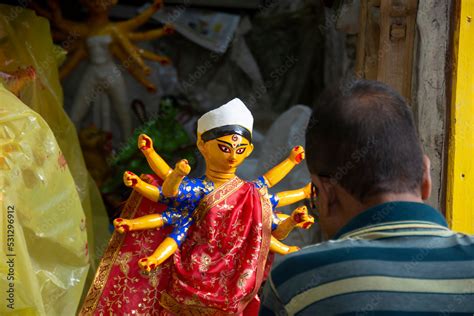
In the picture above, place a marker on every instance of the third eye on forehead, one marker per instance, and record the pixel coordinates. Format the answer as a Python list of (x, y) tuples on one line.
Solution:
[(232, 145)]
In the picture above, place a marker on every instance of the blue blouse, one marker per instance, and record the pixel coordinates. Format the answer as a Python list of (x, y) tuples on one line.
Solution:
[(191, 191)]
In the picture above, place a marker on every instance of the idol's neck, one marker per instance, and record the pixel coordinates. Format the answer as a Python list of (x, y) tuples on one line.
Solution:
[(220, 177)]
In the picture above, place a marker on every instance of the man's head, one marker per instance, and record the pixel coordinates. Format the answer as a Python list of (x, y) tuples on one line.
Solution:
[(363, 149)]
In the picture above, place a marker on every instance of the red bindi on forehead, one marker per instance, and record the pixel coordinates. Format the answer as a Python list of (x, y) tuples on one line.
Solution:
[(236, 140)]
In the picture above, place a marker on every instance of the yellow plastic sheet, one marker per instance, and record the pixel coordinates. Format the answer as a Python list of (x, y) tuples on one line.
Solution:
[(44, 257), (51, 275)]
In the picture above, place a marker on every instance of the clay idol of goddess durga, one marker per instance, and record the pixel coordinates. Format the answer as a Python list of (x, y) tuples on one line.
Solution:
[(219, 229)]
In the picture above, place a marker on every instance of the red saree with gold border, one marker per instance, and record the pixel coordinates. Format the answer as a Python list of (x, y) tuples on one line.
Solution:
[(217, 271)]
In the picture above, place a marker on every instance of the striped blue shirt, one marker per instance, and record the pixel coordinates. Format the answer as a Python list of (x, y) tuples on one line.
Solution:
[(397, 258)]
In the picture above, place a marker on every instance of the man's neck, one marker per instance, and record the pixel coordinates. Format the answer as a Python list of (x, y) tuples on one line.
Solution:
[(351, 207), (391, 197)]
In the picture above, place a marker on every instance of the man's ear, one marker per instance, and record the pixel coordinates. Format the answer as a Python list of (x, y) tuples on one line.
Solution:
[(325, 197), (426, 183), (249, 150), (330, 191)]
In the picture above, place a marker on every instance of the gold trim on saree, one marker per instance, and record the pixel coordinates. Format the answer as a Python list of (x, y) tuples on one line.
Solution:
[(266, 238), (110, 256), (216, 196), (171, 305)]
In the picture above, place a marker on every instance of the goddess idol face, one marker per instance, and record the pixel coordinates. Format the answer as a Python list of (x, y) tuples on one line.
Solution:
[(225, 153)]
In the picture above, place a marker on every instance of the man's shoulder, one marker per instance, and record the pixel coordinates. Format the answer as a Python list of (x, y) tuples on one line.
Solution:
[(336, 249), (353, 247), (340, 256), (328, 275), (316, 256)]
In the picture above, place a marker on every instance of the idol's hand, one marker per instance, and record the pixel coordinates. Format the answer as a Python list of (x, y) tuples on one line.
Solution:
[(122, 225), (167, 248), (182, 168), (293, 249), (307, 191), (297, 155), (301, 217), (147, 264), (130, 179), (280, 248), (145, 143), (174, 179)]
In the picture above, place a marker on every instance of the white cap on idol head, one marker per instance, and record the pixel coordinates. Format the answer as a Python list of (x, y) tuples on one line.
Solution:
[(231, 118)]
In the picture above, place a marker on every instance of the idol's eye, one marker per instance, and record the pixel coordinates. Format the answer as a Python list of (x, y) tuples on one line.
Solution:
[(240, 151), (224, 148)]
